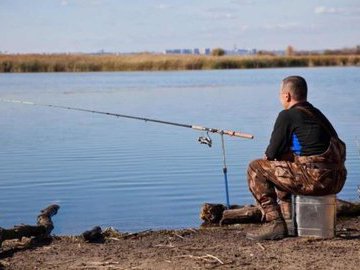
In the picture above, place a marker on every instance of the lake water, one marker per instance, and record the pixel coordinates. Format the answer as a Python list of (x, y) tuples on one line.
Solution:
[(133, 175)]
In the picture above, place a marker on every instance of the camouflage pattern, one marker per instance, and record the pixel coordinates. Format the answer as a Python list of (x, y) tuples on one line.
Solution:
[(318, 175)]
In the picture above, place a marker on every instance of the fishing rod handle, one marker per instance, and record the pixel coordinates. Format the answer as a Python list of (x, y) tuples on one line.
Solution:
[(199, 128), (226, 132), (238, 134)]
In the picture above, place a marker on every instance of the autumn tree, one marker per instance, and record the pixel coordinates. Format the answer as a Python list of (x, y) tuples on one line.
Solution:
[(218, 52), (289, 51)]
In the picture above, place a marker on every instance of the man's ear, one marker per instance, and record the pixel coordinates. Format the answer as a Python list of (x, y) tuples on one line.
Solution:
[(287, 96)]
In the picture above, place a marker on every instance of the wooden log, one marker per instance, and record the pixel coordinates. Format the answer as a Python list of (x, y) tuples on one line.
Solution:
[(246, 214), (95, 235), (347, 209), (218, 214), (211, 213), (42, 229)]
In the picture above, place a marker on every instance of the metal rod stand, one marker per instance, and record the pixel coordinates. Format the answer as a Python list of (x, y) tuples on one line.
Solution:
[(225, 172)]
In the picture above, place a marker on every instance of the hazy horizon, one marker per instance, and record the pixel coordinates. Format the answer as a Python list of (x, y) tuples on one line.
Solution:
[(80, 26)]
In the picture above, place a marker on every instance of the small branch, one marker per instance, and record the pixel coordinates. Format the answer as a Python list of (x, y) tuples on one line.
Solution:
[(136, 234), (216, 258), (204, 258), (178, 235), (261, 246), (165, 246)]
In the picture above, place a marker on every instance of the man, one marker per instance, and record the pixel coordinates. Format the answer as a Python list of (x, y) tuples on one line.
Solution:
[(304, 157)]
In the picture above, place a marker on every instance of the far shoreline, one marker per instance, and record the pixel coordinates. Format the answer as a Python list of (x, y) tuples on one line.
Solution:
[(39, 63)]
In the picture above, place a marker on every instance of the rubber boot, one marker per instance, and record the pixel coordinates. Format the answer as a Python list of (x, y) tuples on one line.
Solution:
[(286, 211), (274, 229)]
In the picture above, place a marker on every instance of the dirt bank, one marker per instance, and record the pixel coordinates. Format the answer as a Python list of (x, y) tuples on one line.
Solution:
[(205, 248)]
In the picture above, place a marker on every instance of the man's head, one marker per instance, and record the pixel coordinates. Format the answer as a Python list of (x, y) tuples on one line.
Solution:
[(293, 90)]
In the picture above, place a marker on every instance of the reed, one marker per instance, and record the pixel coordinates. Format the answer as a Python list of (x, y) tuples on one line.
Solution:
[(158, 62)]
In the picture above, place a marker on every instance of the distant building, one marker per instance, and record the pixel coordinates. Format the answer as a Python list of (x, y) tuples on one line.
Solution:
[(101, 52), (236, 51), (182, 51), (279, 52), (186, 51), (172, 51), (206, 51)]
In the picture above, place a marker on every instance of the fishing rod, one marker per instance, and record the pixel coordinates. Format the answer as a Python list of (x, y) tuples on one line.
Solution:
[(195, 127), (202, 139)]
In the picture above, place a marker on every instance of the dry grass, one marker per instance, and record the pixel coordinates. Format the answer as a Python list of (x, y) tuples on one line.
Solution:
[(152, 62)]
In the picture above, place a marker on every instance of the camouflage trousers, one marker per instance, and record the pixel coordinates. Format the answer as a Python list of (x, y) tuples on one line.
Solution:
[(273, 182)]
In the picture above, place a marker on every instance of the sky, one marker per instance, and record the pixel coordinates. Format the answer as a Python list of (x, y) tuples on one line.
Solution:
[(55, 26)]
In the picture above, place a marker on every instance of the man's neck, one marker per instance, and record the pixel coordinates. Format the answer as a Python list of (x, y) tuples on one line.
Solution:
[(295, 102)]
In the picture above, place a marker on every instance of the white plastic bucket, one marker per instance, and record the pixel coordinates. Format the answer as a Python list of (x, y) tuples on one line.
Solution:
[(315, 216)]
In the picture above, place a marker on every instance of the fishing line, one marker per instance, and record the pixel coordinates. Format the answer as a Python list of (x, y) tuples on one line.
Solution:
[(202, 139)]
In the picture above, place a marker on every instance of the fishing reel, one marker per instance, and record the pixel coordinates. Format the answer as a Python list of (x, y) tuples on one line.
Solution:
[(205, 140)]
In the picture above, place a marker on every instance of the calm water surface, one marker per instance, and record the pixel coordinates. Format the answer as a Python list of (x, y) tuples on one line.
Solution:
[(134, 175)]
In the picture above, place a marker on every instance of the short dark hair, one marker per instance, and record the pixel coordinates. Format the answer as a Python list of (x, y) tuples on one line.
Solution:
[(297, 86)]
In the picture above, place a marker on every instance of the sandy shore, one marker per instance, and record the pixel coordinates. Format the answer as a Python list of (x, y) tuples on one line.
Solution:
[(193, 248)]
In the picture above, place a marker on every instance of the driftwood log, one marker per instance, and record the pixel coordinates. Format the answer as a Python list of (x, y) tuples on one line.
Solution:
[(218, 214), (41, 230), (246, 214), (95, 235), (347, 209)]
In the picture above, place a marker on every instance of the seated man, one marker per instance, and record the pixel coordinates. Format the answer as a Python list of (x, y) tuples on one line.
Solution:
[(305, 157)]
